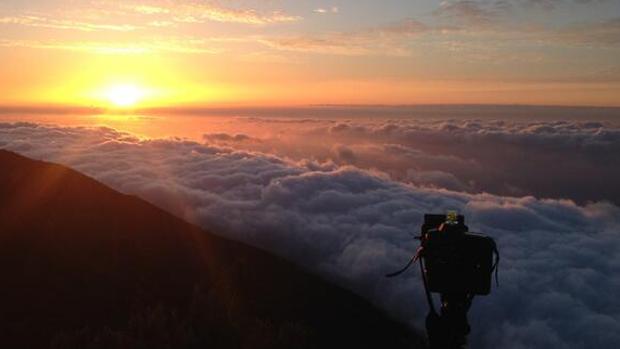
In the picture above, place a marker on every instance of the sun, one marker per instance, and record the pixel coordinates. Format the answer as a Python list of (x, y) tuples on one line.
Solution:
[(124, 96)]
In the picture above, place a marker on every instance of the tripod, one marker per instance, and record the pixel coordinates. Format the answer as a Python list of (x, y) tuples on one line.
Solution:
[(449, 329)]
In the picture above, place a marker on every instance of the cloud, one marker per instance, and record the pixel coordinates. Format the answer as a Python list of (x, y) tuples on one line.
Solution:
[(489, 9), (605, 33), (545, 4), (202, 12), (238, 16), (459, 23), (503, 157), (390, 39), (558, 276), (129, 16), (467, 154), (496, 19), (152, 18), (148, 9), (322, 10), (226, 138), (473, 13), (186, 45), (45, 22)]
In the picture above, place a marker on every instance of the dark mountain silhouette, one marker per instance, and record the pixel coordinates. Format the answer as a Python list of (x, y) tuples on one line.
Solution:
[(83, 266)]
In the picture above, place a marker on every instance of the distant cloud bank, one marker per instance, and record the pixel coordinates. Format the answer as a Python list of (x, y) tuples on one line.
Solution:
[(558, 275), (528, 157)]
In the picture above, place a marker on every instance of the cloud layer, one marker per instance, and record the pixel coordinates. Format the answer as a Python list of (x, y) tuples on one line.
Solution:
[(473, 155), (559, 283)]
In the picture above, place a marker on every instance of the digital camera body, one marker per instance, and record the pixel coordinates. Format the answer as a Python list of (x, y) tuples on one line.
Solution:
[(456, 261)]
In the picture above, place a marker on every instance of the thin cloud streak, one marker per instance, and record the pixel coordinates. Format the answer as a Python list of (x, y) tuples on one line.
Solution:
[(189, 46), (393, 39), (43, 22), (467, 12), (323, 10), (140, 17), (200, 13)]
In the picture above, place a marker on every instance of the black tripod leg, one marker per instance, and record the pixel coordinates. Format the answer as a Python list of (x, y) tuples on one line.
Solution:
[(454, 308), (436, 331)]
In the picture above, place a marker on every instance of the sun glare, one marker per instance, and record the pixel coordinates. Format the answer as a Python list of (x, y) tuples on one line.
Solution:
[(124, 96)]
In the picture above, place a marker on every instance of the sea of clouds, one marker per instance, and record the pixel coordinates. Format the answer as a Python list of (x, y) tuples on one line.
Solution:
[(545, 159), (343, 198)]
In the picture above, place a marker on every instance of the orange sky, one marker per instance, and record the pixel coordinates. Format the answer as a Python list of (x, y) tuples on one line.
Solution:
[(114, 54)]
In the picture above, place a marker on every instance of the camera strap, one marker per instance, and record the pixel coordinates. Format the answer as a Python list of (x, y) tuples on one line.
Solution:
[(429, 297), (418, 256), (495, 267), (413, 259)]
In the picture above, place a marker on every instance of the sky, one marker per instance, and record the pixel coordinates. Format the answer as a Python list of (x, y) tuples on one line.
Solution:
[(317, 131), (141, 54)]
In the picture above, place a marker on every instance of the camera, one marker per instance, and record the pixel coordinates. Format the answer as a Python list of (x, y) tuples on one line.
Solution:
[(457, 264), (455, 260)]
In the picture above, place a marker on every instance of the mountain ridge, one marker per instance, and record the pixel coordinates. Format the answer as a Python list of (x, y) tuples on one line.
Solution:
[(85, 266)]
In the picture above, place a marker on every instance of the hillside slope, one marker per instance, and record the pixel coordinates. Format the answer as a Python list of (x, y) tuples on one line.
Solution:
[(83, 266)]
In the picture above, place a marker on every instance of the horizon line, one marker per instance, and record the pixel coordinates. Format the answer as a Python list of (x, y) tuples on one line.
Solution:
[(67, 109)]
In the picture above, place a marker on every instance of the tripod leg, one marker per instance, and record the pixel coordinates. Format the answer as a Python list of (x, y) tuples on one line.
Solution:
[(454, 308), (436, 331)]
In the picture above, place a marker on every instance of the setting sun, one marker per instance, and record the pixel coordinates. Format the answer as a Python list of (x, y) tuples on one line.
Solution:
[(124, 96)]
